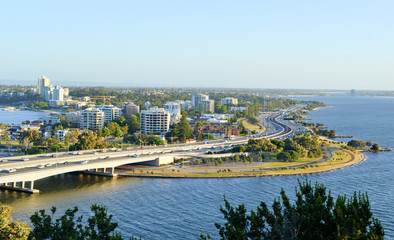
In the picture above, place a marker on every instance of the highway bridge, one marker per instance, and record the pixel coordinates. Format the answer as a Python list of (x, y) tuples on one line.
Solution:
[(19, 173)]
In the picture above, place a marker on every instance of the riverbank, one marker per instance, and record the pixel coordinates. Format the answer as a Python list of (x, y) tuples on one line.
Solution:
[(340, 159)]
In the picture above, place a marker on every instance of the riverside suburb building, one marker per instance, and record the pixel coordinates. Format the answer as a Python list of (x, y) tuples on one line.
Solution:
[(155, 120), (91, 118)]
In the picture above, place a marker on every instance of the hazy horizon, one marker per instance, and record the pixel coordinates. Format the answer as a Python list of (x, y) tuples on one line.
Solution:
[(204, 44)]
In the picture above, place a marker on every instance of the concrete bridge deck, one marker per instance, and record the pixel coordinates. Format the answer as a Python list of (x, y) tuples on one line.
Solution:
[(20, 175)]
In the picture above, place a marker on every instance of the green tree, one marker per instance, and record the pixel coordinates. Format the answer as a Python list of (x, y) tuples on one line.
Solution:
[(112, 127), (314, 215), (118, 132), (356, 143), (89, 140), (182, 129), (375, 147), (12, 230), (242, 129), (98, 226), (199, 124), (106, 132)]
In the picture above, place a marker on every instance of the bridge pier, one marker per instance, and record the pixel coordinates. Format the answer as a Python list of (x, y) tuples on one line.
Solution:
[(97, 171), (13, 187)]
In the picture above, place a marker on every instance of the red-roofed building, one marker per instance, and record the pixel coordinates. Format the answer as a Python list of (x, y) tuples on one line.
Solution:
[(190, 140)]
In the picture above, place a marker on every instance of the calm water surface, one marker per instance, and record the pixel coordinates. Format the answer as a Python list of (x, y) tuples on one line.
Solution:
[(16, 117), (184, 208)]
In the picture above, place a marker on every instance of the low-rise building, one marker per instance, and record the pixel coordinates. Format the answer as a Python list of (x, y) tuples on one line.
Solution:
[(147, 105), (51, 119), (61, 133), (72, 117), (218, 131), (215, 118), (239, 109)]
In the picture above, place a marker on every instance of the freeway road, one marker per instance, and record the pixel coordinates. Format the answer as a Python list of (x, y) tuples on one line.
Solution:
[(13, 169)]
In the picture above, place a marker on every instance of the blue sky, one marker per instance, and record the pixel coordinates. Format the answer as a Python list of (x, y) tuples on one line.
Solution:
[(257, 44)]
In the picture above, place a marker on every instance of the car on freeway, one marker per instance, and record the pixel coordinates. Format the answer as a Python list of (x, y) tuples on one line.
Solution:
[(24, 159), (66, 162), (118, 150), (107, 157), (40, 166), (84, 162), (48, 164), (4, 160), (11, 170)]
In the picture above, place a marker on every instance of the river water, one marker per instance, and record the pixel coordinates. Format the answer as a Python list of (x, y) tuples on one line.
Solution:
[(184, 208), (17, 116)]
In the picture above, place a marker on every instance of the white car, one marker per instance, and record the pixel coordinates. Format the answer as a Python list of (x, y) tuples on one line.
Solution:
[(24, 159), (40, 166), (84, 162), (11, 170), (48, 164)]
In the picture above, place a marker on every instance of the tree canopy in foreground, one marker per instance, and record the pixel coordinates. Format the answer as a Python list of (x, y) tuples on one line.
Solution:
[(314, 215)]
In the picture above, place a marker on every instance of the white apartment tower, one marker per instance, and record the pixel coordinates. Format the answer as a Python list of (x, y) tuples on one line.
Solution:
[(43, 82), (110, 113), (228, 101), (57, 93), (91, 118), (155, 120), (174, 108), (196, 100)]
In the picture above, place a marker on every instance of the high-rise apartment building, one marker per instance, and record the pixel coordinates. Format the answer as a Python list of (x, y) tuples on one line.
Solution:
[(174, 108), (43, 82), (51, 93), (110, 112), (57, 93), (155, 120), (229, 101), (196, 100), (207, 105), (132, 109), (91, 118)]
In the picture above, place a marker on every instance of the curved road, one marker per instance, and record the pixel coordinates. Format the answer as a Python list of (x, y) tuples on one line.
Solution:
[(35, 167)]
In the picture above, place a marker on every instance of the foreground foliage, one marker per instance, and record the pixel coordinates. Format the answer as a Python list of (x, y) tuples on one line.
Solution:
[(314, 215), (9, 229), (99, 226)]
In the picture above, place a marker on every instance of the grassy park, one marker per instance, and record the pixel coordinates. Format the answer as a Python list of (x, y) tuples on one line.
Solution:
[(270, 166)]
